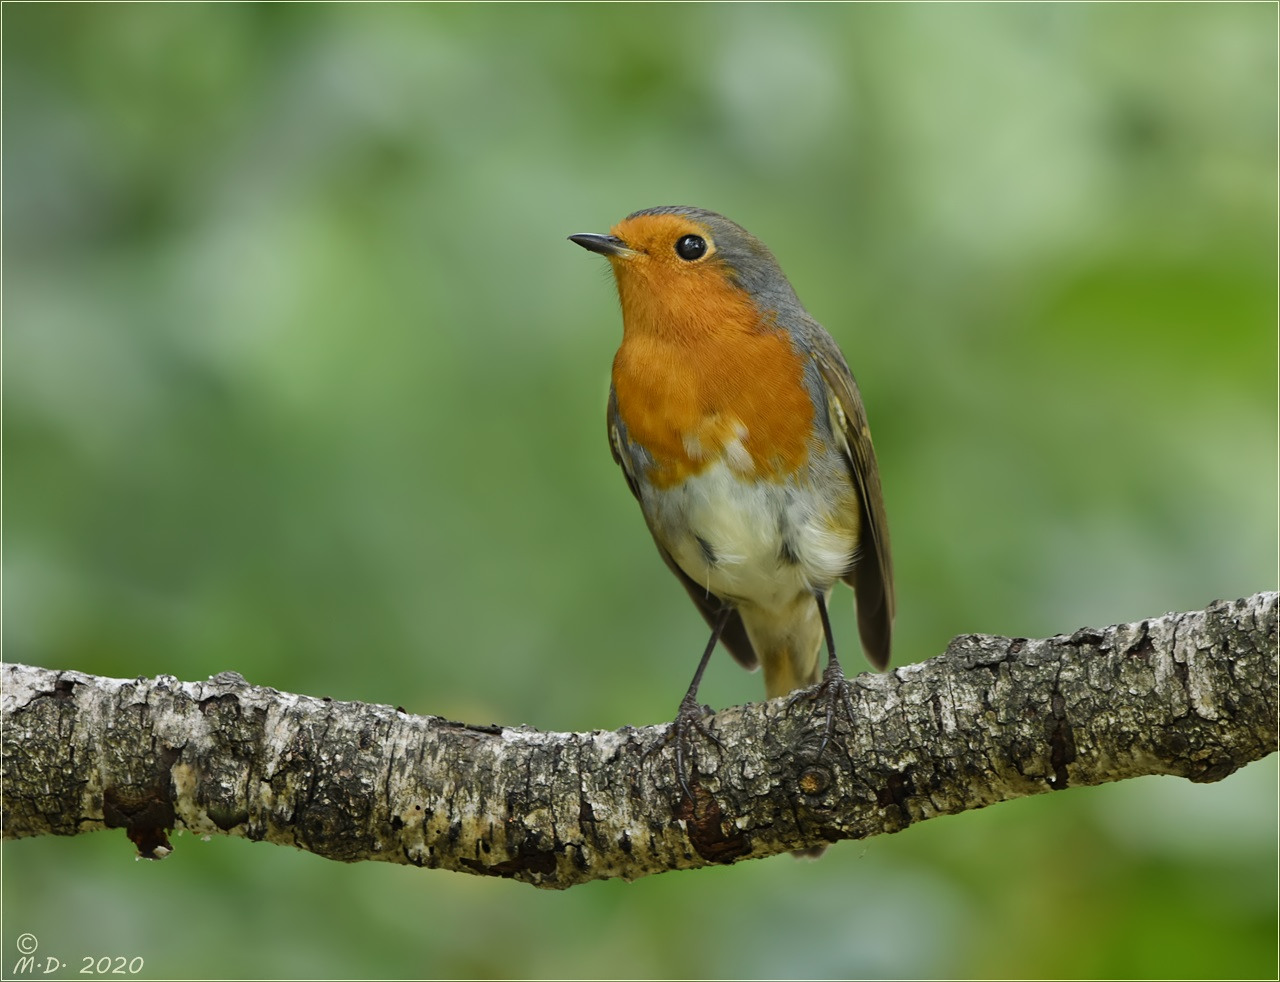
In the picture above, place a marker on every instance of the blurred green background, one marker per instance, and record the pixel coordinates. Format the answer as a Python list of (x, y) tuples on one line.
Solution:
[(303, 380)]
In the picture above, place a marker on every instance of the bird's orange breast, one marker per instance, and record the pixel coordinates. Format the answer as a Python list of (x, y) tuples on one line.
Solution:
[(701, 377)]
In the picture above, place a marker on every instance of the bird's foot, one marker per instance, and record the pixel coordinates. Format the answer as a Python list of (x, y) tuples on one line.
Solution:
[(689, 719), (835, 693)]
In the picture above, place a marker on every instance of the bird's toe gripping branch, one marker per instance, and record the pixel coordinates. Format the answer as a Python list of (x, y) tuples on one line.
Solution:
[(688, 721)]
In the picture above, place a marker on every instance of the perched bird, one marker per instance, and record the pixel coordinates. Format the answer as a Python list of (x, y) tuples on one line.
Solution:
[(741, 432)]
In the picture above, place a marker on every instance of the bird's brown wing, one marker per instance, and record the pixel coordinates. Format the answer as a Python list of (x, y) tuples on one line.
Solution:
[(734, 636), (872, 574)]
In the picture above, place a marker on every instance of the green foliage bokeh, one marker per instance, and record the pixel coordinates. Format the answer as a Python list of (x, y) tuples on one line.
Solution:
[(302, 380)]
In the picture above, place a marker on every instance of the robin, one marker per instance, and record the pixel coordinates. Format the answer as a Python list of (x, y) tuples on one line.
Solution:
[(741, 432)]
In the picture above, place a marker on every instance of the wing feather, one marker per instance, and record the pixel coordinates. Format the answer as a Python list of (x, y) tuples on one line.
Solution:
[(872, 574)]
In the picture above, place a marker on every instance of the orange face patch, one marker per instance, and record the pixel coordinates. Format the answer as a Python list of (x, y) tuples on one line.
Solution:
[(700, 376)]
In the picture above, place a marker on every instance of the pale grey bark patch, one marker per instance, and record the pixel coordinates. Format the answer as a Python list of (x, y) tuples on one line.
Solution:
[(990, 719)]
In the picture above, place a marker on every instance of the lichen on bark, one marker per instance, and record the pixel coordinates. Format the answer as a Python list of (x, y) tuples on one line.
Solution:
[(990, 719)]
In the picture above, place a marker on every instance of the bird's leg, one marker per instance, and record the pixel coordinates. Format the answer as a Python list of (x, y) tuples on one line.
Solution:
[(689, 715), (835, 686)]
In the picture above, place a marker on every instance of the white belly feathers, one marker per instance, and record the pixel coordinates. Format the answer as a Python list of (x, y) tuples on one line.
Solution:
[(754, 542)]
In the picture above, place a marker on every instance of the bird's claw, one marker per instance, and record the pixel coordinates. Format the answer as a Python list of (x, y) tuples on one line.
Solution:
[(835, 689), (689, 717)]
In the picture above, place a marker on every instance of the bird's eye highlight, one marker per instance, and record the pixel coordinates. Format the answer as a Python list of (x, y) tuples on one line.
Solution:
[(691, 247)]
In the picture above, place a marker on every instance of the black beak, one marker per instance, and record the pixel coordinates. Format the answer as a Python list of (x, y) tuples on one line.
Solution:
[(606, 245)]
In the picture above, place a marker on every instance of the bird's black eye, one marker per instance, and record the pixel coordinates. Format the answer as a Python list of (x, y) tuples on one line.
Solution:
[(691, 247)]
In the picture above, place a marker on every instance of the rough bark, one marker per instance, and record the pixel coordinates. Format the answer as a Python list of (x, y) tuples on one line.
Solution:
[(990, 719)]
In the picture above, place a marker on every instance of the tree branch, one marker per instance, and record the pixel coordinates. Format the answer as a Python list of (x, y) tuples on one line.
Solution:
[(988, 720)]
